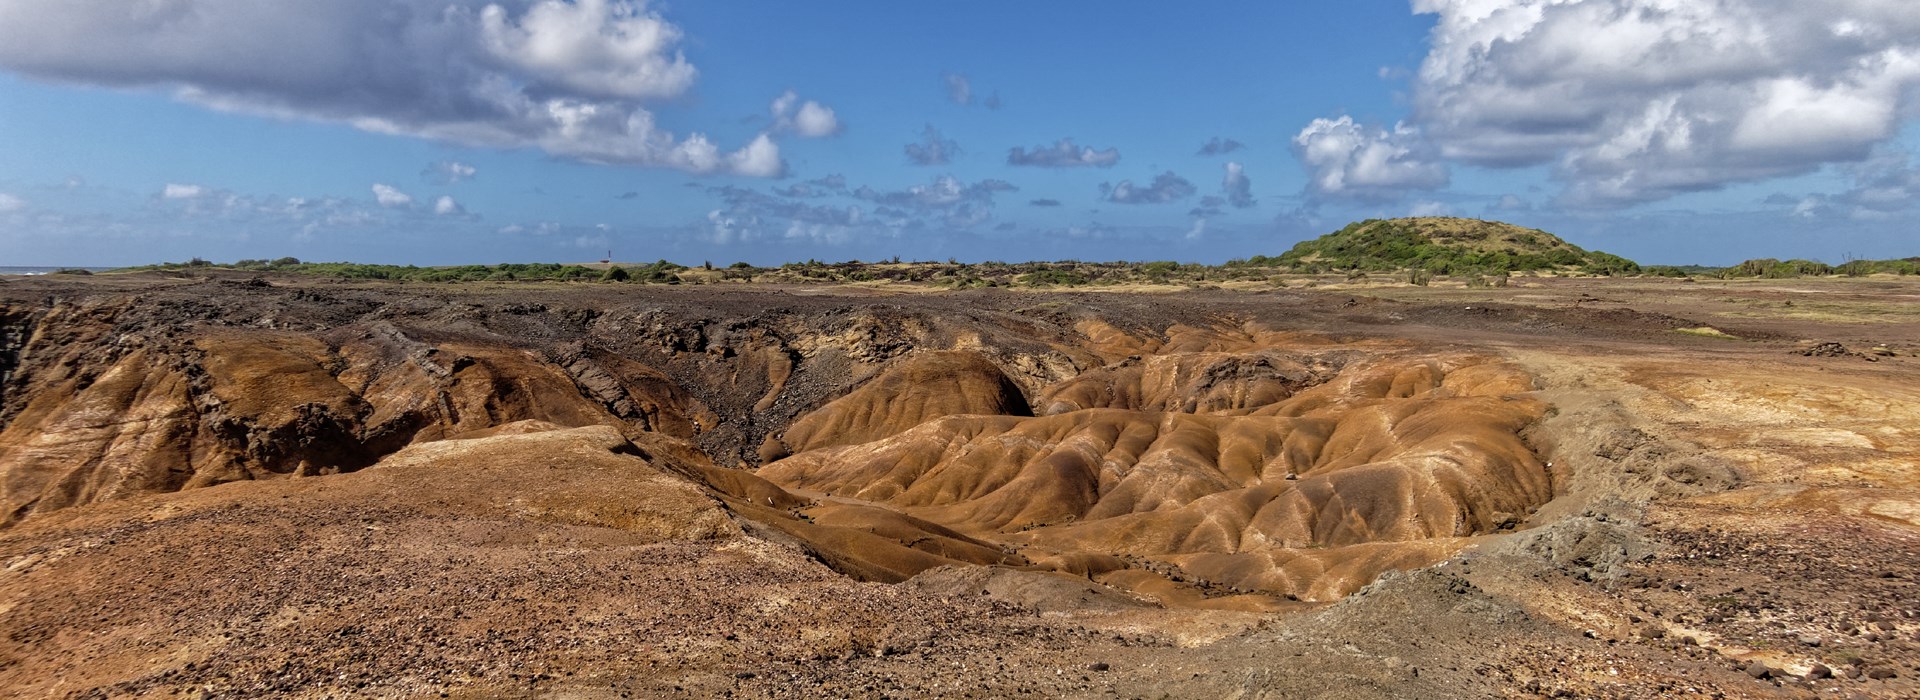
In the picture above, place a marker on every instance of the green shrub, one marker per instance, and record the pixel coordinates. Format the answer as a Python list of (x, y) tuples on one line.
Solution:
[(1054, 277)]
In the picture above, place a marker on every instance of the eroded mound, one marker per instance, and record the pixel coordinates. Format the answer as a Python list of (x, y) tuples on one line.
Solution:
[(921, 387), (1389, 464)]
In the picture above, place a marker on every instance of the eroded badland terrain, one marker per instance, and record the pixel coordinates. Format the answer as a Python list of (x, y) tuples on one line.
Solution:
[(236, 486)]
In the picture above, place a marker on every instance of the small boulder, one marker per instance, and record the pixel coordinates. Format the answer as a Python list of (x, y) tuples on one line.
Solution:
[(1819, 672), (1759, 669)]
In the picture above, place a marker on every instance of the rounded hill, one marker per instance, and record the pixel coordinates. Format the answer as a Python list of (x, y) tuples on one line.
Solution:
[(1446, 245)]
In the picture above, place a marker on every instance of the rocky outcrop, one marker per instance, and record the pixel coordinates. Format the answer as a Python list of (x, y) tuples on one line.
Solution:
[(229, 405)]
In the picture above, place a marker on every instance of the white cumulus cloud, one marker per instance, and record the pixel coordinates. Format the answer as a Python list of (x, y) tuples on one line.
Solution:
[(760, 158), (572, 78), (1352, 160), (1236, 186), (389, 196), (603, 48), (1638, 100), (446, 206), (809, 119)]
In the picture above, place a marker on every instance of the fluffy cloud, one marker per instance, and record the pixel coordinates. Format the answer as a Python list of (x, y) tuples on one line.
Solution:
[(959, 88), (388, 196), (1886, 184), (1237, 187), (1362, 162), (1063, 154), (932, 149), (1638, 100), (602, 48), (761, 158), (1219, 146), (1166, 187), (809, 119), (173, 191), (446, 206), (569, 78), (11, 203), (448, 172)]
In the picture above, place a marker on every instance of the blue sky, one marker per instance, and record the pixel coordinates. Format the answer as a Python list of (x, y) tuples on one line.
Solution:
[(461, 131)]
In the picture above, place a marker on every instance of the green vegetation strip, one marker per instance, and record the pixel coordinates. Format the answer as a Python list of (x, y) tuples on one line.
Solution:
[(1414, 251)]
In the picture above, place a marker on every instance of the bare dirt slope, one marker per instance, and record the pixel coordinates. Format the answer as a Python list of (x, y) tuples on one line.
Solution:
[(286, 486)]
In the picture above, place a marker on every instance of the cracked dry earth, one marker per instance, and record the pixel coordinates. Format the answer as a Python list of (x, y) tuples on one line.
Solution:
[(242, 487)]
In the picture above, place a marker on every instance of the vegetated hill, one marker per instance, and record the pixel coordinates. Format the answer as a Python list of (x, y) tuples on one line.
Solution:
[(1770, 268), (1445, 245)]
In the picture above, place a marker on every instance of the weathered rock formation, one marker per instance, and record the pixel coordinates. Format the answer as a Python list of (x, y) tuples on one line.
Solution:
[(1187, 463), (1420, 452)]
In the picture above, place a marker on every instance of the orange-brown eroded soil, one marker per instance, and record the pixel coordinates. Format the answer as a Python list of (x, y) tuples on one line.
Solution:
[(237, 487)]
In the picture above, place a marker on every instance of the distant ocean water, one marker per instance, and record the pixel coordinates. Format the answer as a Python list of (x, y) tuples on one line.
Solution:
[(29, 270)]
